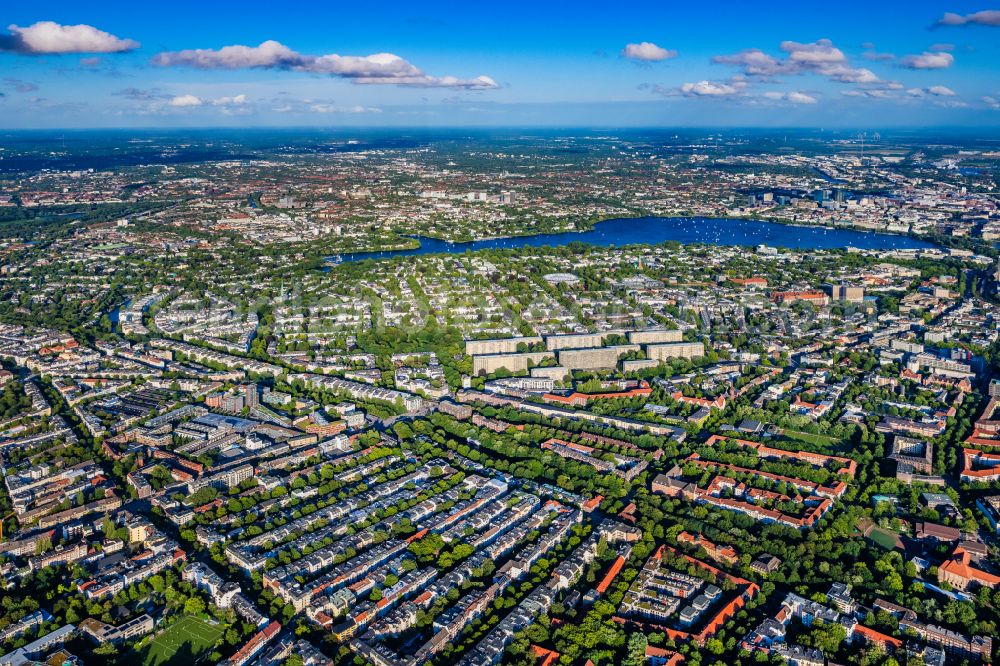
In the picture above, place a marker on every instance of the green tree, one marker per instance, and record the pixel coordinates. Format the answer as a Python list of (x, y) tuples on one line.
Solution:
[(194, 606)]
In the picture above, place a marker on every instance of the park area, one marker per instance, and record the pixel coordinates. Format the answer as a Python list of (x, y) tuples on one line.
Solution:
[(808, 438), (884, 538), (184, 642)]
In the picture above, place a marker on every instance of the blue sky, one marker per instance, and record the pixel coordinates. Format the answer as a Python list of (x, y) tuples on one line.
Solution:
[(871, 64)]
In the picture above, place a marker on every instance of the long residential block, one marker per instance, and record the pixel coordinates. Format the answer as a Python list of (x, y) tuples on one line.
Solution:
[(490, 363), (599, 358), (675, 350), (499, 345)]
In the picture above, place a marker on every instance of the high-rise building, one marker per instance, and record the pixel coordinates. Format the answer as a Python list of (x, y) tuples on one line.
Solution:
[(250, 395), (844, 292)]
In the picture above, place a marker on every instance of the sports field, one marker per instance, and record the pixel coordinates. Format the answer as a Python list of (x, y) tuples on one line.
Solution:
[(182, 643), (884, 538)]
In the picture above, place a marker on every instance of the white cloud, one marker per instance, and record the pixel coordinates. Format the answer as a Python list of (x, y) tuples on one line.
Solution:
[(268, 54), (48, 37), (424, 81), (327, 106), (991, 102), (364, 67), (938, 95), (237, 100), (818, 53), (142, 94), (845, 74), (932, 91), (794, 97), (755, 63), (875, 93), (159, 103), (712, 89), (185, 101), (801, 98), (928, 60), (988, 17), (647, 52), (941, 91), (384, 68), (820, 57), (331, 108)]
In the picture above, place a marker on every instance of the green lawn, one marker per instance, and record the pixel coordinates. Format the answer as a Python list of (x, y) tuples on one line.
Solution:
[(883, 538), (182, 643), (809, 438)]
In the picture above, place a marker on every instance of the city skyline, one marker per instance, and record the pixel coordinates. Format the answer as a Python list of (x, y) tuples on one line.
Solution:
[(930, 65)]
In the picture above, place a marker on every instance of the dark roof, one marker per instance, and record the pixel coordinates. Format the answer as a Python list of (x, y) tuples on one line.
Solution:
[(925, 530)]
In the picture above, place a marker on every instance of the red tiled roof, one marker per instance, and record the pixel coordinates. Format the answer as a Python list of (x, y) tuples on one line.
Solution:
[(609, 578), (545, 656), (878, 638)]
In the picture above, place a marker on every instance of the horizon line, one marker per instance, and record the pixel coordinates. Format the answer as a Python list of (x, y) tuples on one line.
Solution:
[(776, 128)]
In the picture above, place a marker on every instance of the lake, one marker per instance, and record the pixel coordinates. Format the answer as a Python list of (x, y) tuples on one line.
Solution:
[(685, 230)]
